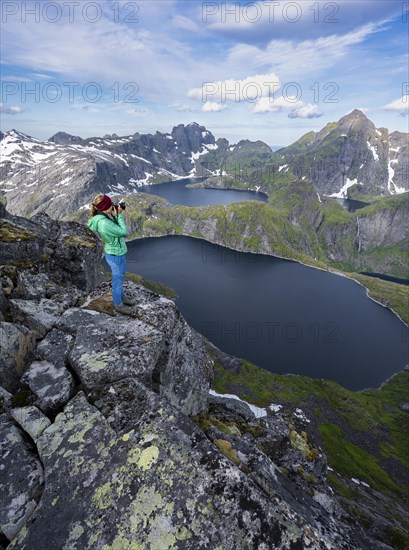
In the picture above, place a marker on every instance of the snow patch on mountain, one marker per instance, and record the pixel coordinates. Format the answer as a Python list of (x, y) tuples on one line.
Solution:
[(343, 192), (373, 151)]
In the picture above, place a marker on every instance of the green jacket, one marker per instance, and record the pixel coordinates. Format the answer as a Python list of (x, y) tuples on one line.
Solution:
[(113, 234)]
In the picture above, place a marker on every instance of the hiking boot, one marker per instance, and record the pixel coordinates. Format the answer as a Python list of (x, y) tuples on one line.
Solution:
[(123, 309), (128, 300)]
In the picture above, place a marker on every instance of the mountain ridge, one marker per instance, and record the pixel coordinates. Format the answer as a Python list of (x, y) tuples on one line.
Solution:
[(346, 158)]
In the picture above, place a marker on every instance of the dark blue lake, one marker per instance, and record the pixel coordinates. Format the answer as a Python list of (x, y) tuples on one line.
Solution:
[(280, 315), (352, 205), (176, 192)]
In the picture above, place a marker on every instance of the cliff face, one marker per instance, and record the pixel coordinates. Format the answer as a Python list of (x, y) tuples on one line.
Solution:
[(351, 156), (97, 414), (294, 224)]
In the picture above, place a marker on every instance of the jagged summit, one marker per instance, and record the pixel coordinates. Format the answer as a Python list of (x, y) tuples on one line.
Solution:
[(64, 138), (356, 113), (350, 156)]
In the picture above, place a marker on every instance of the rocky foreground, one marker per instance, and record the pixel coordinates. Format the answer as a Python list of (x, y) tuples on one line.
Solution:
[(110, 439)]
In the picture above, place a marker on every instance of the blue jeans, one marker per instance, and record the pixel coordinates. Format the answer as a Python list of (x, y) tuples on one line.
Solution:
[(118, 268)]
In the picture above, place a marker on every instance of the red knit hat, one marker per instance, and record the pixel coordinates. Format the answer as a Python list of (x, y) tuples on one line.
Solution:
[(104, 204)]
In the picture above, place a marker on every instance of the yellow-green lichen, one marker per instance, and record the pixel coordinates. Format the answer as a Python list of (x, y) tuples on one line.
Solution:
[(94, 538), (126, 436), (134, 455), (148, 457), (103, 497), (95, 362), (75, 240), (10, 233), (226, 448), (75, 533), (78, 437), (183, 534), (147, 501), (300, 443)]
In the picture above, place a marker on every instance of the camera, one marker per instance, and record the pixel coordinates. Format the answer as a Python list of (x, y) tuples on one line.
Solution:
[(121, 204)]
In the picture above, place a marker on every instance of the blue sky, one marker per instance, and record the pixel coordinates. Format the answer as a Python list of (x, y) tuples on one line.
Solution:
[(269, 70)]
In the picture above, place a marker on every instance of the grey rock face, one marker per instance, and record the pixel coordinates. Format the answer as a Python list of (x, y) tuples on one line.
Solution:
[(68, 253), (39, 316), (32, 420), (55, 347), (52, 384), (31, 286), (21, 478), (6, 399), (3, 301), (168, 358), (16, 352)]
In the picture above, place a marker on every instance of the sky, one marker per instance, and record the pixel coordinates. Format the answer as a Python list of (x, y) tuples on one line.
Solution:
[(268, 70)]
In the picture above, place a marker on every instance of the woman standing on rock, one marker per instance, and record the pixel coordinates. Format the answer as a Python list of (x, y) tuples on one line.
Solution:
[(106, 219)]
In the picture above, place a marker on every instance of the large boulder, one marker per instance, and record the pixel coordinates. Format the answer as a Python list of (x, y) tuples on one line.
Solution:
[(77, 254), (32, 420), (155, 346), (16, 353), (40, 316), (51, 384), (21, 479)]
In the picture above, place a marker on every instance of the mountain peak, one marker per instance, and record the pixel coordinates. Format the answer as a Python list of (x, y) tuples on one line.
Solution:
[(62, 138), (355, 114)]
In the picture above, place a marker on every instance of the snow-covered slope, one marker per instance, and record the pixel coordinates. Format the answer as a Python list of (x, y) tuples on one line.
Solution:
[(62, 174)]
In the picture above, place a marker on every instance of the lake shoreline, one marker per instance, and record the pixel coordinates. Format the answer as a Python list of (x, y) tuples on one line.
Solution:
[(376, 385), (339, 273)]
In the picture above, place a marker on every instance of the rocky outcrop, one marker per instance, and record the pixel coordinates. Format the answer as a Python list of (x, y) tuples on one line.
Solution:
[(110, 440), (68, 253)]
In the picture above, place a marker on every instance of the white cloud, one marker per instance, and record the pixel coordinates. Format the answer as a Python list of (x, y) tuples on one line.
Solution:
[(295, 107), (255, 22), (274, 104), (305, 111), (181, 107), (184, 23), (13, 110), (400, 105), (40, 76), (289, 57), (249, 89), (107, 52), (12, 78), (212, 107)]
